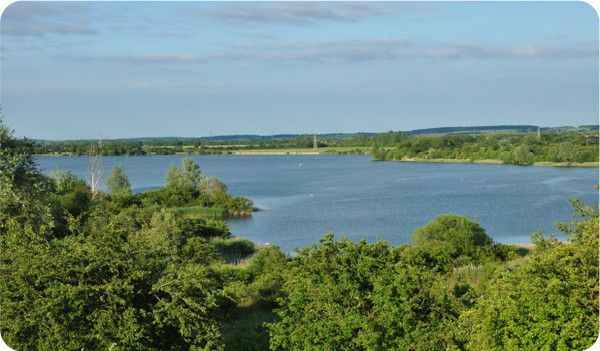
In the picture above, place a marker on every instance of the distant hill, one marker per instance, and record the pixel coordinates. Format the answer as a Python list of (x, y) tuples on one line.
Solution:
[(500, 129), (426, 131), (247, 136), (474, 130)]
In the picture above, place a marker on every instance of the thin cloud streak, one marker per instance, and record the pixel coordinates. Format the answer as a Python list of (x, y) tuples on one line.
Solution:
[(287, 13), (41, 29), (36, 19), (156, 58), (356, 50), (456, 51)]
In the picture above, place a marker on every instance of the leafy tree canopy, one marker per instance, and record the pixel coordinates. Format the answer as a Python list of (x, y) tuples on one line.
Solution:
[(23, 188), (342, 295), (457, 231), (188, 176), (117, 181), (548, 302)]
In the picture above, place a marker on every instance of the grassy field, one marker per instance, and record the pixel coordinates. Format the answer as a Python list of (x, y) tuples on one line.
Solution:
[(239, 150), (304, 151), (281, 151)]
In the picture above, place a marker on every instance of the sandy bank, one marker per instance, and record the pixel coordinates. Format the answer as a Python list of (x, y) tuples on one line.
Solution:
[(274, 152), (498, 162)]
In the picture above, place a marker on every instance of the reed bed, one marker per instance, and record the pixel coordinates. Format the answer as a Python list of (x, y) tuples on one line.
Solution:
[(203, 212)]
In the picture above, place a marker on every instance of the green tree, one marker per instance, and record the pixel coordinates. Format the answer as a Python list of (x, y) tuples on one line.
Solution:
[(586, 156), (359, 296), (266, 270), (457, 231), (112, 285), (547, 302), (117, 181), (452, 241), (522, 155), (566, 152), (432, 153), (215, 186), (378, 152), (188, 176), (23, 188), (507, 157), (71, 201)]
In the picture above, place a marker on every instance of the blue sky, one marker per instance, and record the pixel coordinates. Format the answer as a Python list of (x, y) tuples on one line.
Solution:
[(75, 70)]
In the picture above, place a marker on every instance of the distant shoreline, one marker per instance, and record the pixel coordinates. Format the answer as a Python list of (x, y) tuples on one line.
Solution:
[(421, 160), (273, 153), (498, 162)]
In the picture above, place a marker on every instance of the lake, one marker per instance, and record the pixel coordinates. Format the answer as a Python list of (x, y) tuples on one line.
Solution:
[(305, 197)]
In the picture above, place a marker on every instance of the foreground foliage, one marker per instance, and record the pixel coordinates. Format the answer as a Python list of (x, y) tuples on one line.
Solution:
[(456, 290), (346, 296), (547, 302), (115, 271), (150, 271)]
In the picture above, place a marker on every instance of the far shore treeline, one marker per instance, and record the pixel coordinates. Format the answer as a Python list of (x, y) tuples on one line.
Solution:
[(573, 146), (83, 269)]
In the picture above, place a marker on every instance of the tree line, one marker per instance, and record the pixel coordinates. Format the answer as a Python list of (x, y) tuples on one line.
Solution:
[(508, 148), (170, 146), (124, 271)]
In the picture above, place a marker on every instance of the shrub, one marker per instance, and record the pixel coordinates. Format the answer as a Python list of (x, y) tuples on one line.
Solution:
[(233, 249), (456, 230), (548, 302)]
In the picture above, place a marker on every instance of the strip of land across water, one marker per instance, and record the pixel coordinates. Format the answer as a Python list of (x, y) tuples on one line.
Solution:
[(499, 162), (557, 147), (273, 152), (414, 159), (366, 152), (437, 160)]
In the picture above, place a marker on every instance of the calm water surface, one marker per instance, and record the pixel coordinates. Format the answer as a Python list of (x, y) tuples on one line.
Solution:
[(306, 197)]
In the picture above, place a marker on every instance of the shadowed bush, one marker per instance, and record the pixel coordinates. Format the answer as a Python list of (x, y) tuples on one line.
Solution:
[(233, 250)]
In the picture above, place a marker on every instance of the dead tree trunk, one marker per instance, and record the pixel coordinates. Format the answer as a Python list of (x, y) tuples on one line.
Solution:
[(96, 168)]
